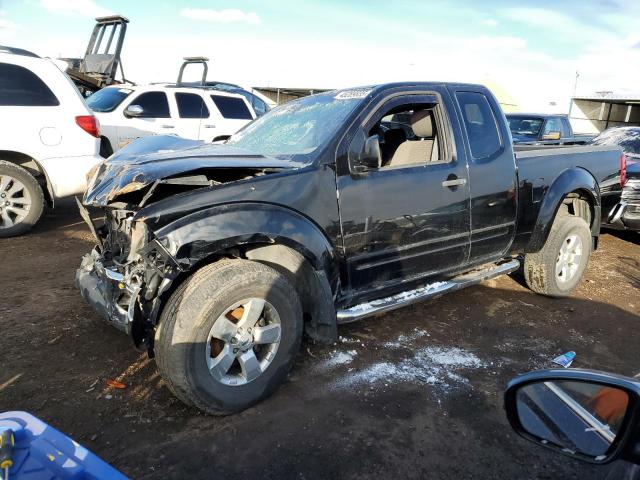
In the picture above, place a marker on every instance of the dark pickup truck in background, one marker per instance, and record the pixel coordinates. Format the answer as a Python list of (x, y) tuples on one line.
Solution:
[(544, 129), (326, 210)]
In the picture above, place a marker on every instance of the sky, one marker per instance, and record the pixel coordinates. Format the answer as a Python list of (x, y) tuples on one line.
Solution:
[(530, 49)]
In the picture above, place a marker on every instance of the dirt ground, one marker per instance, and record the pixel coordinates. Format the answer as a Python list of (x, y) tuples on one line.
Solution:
[(416, 393)]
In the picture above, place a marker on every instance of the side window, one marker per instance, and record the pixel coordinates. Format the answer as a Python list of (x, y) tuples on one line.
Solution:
[(154, 105), (480, 123), (552, 125), (232, 107), (21, 87), (191, 105), (408, 135), (565, 128), (259, 106)]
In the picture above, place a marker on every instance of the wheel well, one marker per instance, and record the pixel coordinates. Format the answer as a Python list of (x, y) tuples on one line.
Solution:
[(312, 286), (580, 204), (31, 166), (106, 150)]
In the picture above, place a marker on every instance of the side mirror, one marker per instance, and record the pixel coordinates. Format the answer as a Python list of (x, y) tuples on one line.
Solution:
[(133, 111), (584, 414), (551, 136), (368, 157)]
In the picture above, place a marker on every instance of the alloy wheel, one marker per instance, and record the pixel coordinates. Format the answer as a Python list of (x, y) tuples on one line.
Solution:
[(243, 342), (569, 258), (15, 201)]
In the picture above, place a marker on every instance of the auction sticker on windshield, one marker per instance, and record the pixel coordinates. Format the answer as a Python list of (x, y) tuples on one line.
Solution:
[(352, 94)]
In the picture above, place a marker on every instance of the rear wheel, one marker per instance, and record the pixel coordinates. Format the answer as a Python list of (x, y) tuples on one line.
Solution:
[(559, 266), (21, 200), (228, 336)]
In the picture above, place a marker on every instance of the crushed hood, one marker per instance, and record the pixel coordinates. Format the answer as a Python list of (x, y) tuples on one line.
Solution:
[(158, 157)]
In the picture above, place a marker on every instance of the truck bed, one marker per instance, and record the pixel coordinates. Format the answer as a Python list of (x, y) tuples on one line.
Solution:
[(540, 166)]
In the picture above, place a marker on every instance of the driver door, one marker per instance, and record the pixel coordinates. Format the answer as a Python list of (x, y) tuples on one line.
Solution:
[(410, 217)]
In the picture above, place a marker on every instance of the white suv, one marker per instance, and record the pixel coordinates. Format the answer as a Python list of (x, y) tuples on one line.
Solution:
[(49, 141), (128, 112)]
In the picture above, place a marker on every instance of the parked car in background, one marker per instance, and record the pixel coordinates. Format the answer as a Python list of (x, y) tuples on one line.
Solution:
[(627, 138), (626, 215), (258, 102), (543, 129), (127, 112), (326, 210), (49, 139)]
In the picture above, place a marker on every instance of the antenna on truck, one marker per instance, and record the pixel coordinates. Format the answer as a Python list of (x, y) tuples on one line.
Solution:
[(194, 60)]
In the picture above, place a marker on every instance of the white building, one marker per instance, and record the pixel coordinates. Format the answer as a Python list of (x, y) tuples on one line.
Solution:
[(593, 114)]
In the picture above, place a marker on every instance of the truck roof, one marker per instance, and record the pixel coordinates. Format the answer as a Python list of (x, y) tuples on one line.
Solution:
[(537, 115), (385, 86)]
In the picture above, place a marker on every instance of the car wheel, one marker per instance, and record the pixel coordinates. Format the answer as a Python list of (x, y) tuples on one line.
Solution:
[(228, 336), (559, 266), (21, 200)]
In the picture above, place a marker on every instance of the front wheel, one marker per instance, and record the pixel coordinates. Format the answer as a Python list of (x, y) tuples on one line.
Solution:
[(228, 336), (559, 266)]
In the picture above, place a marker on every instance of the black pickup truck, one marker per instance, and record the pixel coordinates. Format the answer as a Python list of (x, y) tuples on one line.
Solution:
[(543, 129), (335, 207)]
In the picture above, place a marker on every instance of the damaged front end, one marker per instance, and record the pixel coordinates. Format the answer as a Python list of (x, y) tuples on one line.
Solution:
[(125, 276), (122, 277)]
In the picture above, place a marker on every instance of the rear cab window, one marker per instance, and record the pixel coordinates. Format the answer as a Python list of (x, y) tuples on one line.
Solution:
[(20, 87), (154, 105), (232, 107), (191, 105), (480, 124), (107, 99)]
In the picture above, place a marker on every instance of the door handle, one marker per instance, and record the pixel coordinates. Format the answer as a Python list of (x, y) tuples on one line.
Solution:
[(167, 126), (454, 183)]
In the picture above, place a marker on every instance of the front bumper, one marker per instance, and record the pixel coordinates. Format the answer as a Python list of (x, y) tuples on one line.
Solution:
[(107, 292)]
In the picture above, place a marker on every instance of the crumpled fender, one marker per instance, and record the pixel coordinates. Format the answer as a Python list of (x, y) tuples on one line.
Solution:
[(207, 232), (570, 180)]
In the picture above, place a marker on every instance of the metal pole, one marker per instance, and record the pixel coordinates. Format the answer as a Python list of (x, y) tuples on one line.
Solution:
[(606, 125), (575, 88)]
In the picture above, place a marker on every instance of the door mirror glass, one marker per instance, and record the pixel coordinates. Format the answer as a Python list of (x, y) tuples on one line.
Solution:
[(133, 111), (551, 136), (369, 157), (577, 417)]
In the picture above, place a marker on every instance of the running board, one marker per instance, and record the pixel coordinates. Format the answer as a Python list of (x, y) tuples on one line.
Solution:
[(432, 290)]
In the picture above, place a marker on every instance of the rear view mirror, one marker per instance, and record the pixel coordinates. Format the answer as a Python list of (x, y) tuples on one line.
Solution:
[(587, 415), (369, 157), (551, 136), (133, 111)]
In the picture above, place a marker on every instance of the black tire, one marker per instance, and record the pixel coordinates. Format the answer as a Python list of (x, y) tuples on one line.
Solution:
[(12, 224), (540, 267), (182, 337)]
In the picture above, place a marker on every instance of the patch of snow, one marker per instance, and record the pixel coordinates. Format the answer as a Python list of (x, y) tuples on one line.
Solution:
[(403, 339), (335, 359), (342, 339), (431, 365)]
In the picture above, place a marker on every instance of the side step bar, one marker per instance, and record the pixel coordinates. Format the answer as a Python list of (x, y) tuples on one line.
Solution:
[(432, 290)]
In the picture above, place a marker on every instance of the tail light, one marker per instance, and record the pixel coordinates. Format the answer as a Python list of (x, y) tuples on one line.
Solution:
[(623, 170), (89, 124)]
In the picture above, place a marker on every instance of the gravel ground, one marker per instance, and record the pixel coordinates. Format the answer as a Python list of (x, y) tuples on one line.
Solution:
[(416, 393)]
